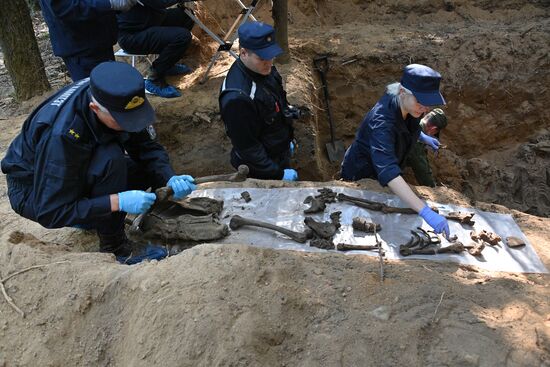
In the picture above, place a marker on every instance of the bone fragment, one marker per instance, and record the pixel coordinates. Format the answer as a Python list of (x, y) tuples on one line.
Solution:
[(316, 205), (321, 229), (514, 242), (461, 217), (455, 247), (491, 238), (475, 248), (322, 243), (347, 247), (365, 225), (246, 196)]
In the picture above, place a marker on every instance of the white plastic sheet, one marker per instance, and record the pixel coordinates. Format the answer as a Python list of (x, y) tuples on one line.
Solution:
[(284, 207)]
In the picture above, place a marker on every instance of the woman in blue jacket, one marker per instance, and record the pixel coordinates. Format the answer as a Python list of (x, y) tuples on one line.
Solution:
[(390, 130)]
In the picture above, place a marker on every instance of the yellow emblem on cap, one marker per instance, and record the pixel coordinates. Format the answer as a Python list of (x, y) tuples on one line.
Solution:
[(135, 102)]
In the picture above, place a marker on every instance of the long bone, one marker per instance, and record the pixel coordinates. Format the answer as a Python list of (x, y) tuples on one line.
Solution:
[(373, 205), (237, 221), (163, 193)]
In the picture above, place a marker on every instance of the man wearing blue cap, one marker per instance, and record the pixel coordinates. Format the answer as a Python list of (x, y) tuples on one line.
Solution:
[(68, 165), (254, 107), (83, 32), (388, 133)]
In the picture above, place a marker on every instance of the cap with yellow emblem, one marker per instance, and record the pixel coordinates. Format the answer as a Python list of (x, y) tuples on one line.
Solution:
[(260, 38), (119, 87)]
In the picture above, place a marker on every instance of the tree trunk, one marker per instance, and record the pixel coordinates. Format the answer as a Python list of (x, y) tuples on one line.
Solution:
[(280, 17), (20, 49)]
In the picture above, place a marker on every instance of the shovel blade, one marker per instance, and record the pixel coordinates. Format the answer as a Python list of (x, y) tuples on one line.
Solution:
[(336, 151)]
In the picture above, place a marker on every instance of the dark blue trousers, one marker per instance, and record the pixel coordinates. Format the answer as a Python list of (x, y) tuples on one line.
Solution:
[(169, 40), (80, 66), (112, 171)]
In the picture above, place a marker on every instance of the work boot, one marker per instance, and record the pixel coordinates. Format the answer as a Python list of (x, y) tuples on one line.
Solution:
[(117, 243)]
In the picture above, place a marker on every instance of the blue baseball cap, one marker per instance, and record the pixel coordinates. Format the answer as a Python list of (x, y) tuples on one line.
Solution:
[(119, 87), (259, 38), (423, 82)]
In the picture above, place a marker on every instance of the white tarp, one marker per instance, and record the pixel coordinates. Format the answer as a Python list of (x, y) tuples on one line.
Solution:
[(284, 207)]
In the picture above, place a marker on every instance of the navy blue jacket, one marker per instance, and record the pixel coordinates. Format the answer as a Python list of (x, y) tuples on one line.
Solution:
[(79, 27), (252, 107), (382, 143), (140, 17), (49, 159)]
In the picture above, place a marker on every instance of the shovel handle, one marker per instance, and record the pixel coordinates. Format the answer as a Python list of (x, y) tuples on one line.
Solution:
[(321, 64)]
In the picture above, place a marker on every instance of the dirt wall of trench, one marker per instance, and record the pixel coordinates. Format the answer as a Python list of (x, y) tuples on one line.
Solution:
[(495, 66)]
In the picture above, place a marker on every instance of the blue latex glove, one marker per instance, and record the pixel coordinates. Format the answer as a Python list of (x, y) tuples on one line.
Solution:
[(135, 201), (429, 141), (182, 185), (290, 175), (436, 221), (292, 146)]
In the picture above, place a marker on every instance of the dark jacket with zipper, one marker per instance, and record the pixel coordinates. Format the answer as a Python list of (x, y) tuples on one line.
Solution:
[(382, 143), (46, 165), (252, 108), (140, 17), (80, 27)]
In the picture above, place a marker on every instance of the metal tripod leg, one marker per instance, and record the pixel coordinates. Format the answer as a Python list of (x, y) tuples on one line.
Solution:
[(227, 42)]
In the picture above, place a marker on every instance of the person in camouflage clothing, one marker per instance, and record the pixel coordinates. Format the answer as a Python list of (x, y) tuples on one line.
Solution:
[(431, 125)]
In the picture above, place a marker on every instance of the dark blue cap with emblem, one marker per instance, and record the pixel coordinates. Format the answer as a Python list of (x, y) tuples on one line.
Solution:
[(259, 38), (119, 87), (423, 82)]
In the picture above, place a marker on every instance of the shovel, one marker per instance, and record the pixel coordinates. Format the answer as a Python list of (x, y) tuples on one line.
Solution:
[(336, 148)]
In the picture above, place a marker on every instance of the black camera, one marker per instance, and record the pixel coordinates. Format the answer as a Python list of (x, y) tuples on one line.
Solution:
[(296, 113)]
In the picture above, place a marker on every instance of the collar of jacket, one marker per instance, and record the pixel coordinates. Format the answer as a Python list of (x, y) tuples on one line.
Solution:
[(409, 123), (250, 73)]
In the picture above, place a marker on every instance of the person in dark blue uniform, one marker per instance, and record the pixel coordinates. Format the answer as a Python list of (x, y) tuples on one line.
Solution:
[(69, 167), (83, 32), (151, 28), (254, 107), (388, 133)]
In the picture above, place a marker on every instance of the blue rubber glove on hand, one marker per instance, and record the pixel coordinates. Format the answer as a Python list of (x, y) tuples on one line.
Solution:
[(429, 141), (292, 146), (437, 222), (182, 185), (290, 175), (135, 201)]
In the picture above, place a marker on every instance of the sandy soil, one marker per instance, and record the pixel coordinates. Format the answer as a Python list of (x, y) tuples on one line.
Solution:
[(235, 305)]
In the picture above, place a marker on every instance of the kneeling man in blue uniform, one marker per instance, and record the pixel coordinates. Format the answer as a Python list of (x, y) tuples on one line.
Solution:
[(85, 155), (254, 108)]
